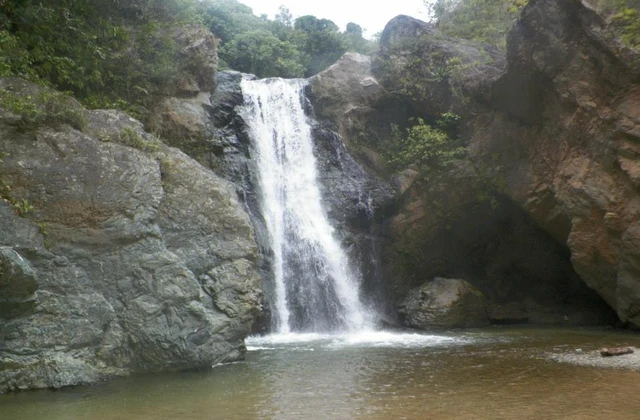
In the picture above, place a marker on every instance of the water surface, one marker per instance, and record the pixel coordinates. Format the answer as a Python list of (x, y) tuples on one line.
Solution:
[(501, 373)]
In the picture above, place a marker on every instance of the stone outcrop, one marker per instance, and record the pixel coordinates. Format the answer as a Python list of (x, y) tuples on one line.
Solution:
[(345, 90), (574, 153), (183, 118), (126, 259), (544, 214), (445, 303)]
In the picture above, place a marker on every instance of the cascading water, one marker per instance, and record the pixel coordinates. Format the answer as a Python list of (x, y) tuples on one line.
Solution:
[(315, 289)]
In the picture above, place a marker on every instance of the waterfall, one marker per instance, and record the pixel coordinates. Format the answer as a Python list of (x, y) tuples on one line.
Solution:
[(315, 288)]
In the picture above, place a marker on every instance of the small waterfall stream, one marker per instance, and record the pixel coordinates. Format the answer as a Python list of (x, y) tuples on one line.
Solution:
[(315, 290)]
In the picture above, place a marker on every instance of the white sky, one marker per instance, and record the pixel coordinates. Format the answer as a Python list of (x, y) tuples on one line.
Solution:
[(372, 15)]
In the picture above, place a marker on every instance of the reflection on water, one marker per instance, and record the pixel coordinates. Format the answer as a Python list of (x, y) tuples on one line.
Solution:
[(489, 374)]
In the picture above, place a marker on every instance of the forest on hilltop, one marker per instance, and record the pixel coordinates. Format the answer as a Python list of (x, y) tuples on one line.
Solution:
[(123, 54)]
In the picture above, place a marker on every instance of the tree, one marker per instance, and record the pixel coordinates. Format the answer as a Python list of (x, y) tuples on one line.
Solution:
[(284, 17), (227, 19), (261, 53), (107, 52), (355, 42), (427, 147), (322, 43)]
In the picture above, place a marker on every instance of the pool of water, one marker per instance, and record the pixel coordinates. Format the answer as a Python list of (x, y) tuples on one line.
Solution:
[(500, 373)]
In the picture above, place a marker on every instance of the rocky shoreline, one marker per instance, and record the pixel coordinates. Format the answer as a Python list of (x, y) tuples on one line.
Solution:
[(592, 358)]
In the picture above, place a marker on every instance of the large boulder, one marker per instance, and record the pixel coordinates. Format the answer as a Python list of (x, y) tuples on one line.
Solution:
[(432, 72), (342, 91), (182, 118), (131, 256), (445, 303)]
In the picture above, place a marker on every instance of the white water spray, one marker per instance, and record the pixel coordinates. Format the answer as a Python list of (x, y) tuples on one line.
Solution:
[(315, 289)]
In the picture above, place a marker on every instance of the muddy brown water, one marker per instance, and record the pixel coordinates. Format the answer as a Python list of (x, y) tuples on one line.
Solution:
[(499, 373)]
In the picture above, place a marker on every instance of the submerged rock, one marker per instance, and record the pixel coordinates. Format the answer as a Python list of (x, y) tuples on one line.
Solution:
[(445, 303), (592, 358)]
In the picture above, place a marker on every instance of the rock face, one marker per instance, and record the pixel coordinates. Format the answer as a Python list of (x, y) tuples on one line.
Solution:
[(445, 303), (128, 261), (355, 199), (544, 214), (345, 89), (183, 118), (576, 142)]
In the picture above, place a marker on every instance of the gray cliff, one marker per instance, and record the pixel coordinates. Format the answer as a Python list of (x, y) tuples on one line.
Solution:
[(120, 259)]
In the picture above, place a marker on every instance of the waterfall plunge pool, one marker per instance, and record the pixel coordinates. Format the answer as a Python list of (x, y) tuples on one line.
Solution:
[(498, 373)]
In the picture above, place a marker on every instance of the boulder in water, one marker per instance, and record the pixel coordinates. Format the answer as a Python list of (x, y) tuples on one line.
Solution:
[(445, 303), (615, 351)]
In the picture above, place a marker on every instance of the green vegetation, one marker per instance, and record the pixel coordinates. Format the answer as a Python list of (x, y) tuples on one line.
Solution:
[(260, 52), (427, 147), (490, 20), (123, 53), (132, 138), (42, 226), (629, 22), (283, 47), (480, 20), (45, 108), (424, 67), (625, 18), (107, 53), (20, 206)]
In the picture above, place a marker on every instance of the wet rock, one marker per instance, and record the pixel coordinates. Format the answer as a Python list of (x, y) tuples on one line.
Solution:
[(445, 303), (227, 96), (615, 351), (18, 283), (592, 358)]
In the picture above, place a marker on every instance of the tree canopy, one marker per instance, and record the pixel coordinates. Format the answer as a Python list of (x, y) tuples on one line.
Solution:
[(122, 53), (289, 47), (108, 53)]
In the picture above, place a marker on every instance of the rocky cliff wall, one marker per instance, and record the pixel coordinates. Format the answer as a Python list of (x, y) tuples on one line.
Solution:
[(547, 201), (577, 142), (118, 254)]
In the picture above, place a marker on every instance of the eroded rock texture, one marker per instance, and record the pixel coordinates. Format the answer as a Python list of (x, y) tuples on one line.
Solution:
[(445, 303), (576, 142), (129, 261), (543, 217)]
